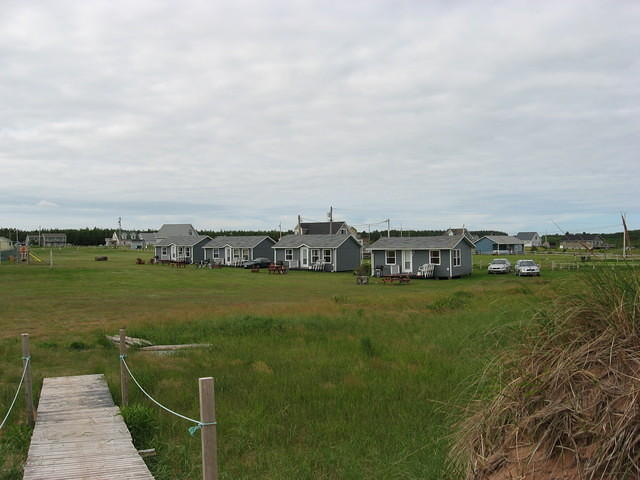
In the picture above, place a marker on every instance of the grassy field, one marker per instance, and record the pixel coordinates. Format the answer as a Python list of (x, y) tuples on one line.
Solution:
[(316, 377)]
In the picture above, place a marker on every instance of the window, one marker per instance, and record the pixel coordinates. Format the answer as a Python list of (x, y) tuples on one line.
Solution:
[(236, 254), (326, 255), (434, 257), (342, 231), (391, 257), (187, 251), (180, 251), (315, 255), (288, 254), (164, 251), (216, 253), (245, 254), (457, 258)]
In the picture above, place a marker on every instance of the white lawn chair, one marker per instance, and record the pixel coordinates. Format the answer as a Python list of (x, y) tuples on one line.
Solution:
[(427, 270)]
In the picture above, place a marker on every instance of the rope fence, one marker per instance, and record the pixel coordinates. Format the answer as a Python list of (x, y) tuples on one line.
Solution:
[(207, 423), (25, 380), (15, 397), (192, 430)]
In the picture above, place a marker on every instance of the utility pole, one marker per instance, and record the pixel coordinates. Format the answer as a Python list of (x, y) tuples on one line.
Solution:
[(625, 235), (388, 220), (330, 220), (299, 226)]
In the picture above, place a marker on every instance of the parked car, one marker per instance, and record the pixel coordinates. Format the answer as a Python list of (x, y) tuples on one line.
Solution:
[(527, 267), (499, 265), (261, 262)]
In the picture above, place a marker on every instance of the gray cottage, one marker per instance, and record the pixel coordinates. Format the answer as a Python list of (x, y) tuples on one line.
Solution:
[(329, 253), (182, 249), (530, 239), (500, 245), (227, 250), (449, 254)]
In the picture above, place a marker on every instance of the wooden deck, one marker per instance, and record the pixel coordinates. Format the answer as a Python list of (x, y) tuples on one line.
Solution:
[(79, 434)]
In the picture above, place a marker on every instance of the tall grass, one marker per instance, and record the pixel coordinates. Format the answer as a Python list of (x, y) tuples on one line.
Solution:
[(567, 401)]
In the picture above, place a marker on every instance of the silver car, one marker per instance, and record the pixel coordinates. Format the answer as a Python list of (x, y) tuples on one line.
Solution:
[(499, 265), (527, 268)]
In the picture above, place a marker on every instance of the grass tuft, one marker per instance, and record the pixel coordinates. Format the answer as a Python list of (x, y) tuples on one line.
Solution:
[(142, 424), (565, 401)]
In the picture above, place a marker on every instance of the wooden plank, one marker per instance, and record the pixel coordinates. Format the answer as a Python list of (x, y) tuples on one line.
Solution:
[(80, 435)]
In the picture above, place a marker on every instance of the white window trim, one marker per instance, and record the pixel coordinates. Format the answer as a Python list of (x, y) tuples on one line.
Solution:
[(324, 255), (288, 254), (386, 257), (456, 254), (317, 255), (439, 257)]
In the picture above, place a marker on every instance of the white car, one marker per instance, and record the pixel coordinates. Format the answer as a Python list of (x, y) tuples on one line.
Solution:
[(527, 267), (499, 265)]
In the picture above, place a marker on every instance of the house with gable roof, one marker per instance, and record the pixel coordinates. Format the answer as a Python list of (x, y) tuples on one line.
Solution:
[(185, 248), (499, 245), (530, 239), (323, 252), (233, 250), (449, 255)]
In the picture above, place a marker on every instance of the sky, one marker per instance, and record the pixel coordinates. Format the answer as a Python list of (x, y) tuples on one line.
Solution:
[(508, 115)]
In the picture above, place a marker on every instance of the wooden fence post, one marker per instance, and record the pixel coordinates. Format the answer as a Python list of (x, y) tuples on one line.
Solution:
[(208, 433), (124, 375), (28, 384)]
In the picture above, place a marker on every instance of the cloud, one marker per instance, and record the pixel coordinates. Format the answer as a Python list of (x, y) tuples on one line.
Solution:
[(432, 113), (46, 204)]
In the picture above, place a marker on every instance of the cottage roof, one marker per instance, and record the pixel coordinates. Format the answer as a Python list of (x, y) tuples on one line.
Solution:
[(242, 241), (321, 228), (503, 239), (585, 237), (183, 241), (314, 241), (176, 230), (435, 242), (148, 236), (526, 235)]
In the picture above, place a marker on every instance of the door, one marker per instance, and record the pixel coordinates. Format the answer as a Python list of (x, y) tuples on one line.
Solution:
[(407, 261), (227, 255), (304, 254)]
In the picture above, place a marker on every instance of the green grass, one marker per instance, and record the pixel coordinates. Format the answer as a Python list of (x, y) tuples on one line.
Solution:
[(316, 377)]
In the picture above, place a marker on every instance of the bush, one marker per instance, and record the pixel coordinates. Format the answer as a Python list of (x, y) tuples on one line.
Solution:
[(363, 270)]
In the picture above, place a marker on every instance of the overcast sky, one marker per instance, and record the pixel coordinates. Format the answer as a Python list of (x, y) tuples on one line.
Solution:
[(243, 114)]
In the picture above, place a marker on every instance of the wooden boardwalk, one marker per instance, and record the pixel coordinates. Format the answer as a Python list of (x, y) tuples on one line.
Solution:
[(79, 434)]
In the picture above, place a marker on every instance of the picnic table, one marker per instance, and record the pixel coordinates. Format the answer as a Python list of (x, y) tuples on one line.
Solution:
[(278, 269), (401, 278)]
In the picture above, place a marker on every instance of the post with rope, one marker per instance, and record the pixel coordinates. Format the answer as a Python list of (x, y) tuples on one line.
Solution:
[(208, 433), (124, 375), (28, 387)]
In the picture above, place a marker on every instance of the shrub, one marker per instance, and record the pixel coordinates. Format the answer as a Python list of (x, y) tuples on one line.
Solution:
[(364, 269)]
